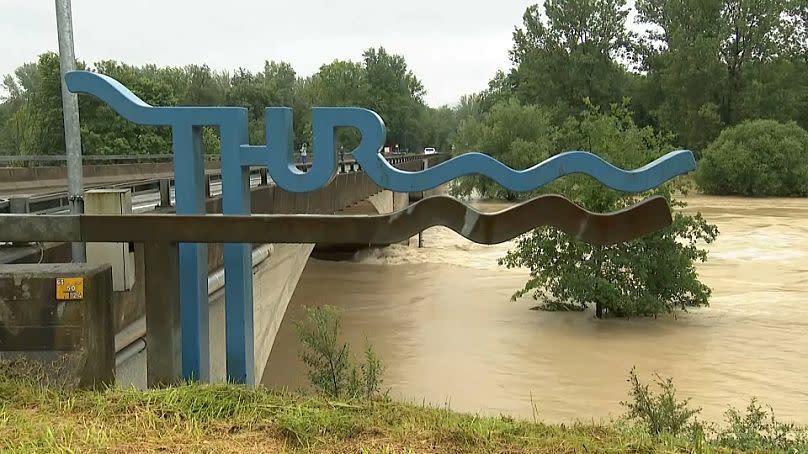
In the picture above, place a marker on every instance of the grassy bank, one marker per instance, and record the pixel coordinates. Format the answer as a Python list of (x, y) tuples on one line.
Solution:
[(219, 418)]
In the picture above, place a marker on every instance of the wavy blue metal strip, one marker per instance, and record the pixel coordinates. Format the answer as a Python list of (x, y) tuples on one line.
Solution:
[(646, 177), (134, 109)]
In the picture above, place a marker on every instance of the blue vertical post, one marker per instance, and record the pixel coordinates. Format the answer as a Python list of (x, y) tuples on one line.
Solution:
[(239, 334), (189, 175)]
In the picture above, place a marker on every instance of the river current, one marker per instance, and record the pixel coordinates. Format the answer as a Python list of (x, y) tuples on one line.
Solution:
[(441, 319)]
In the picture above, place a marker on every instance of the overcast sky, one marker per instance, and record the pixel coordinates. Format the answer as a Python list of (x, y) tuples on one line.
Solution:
[(453, 46)]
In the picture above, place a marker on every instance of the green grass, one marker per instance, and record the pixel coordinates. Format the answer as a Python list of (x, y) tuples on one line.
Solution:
[(226, 418)]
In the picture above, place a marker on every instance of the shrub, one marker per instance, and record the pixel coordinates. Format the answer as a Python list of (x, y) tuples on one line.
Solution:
[(756, 158), (661, 413), (759, 429), (664, 414), (331, 366)]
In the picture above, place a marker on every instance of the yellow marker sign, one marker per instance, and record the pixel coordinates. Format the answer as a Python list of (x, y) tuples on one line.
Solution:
[(70, 288)]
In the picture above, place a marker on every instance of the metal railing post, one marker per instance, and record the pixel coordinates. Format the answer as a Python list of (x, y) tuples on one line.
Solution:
[(165, 193), (208, 180), (20, 204)]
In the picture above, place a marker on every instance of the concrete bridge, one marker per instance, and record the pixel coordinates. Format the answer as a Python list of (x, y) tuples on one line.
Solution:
[(276, 267)]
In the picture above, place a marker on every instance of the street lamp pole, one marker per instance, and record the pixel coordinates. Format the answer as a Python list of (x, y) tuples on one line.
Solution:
[(70, 109)]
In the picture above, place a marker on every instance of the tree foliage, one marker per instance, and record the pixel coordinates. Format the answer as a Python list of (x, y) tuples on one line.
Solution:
[(31, 112), (757, 158), (715, 63), (396, 94), (565, 53), (697, 67), (516, 135)]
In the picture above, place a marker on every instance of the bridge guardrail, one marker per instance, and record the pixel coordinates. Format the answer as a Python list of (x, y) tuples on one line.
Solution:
[(57, 202), (31, 160), (6, 159)]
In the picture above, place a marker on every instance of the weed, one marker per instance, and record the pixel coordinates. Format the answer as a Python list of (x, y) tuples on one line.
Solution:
[(661, 413), (759, 429), (331, 365)]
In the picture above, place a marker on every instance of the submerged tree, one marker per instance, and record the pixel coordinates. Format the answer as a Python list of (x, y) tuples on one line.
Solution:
[(648, 276)]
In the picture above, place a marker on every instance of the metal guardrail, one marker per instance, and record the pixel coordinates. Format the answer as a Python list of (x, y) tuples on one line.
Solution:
[(58, 203), (136, 158), (6, 159)]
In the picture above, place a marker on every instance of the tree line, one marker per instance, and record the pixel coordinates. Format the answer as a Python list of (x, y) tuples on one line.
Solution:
[(31, 113), (698, 70), (698, 67)]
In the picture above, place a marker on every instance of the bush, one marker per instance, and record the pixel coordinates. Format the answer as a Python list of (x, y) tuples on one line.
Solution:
[(650, 275), (759, 429), (756, 158), (664, 414), (661, 413), (331, 365)]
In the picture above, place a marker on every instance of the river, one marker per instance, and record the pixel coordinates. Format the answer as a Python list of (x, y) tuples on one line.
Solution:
[(441, 319)]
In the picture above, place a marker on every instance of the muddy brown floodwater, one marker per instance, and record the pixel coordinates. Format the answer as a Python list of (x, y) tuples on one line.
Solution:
[(442, 320)]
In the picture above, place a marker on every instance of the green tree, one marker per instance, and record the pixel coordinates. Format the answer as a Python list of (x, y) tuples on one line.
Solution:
[(650, 275), (276, 86), (714, 63), (440, 126), (34, 108), (201, 86), (397, 95), (681, 56), (103, 131), (339, 83), (568, 54), (470, 107), (757, 158), (516, 135)]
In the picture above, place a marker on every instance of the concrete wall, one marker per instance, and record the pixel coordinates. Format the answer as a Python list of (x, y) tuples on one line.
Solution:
[(74, 333), (382, 202), (274, 282)]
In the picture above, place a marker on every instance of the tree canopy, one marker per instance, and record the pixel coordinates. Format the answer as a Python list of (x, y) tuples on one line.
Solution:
[(31, 113)]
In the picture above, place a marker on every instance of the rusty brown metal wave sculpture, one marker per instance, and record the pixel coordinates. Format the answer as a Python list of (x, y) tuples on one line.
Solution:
[(627, 224)]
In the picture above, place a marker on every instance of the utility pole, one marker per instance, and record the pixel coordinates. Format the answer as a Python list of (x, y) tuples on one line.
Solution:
[(70, 108)]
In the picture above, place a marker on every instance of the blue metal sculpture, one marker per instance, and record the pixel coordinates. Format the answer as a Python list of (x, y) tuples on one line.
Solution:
[(642, 179), (237, 155)]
